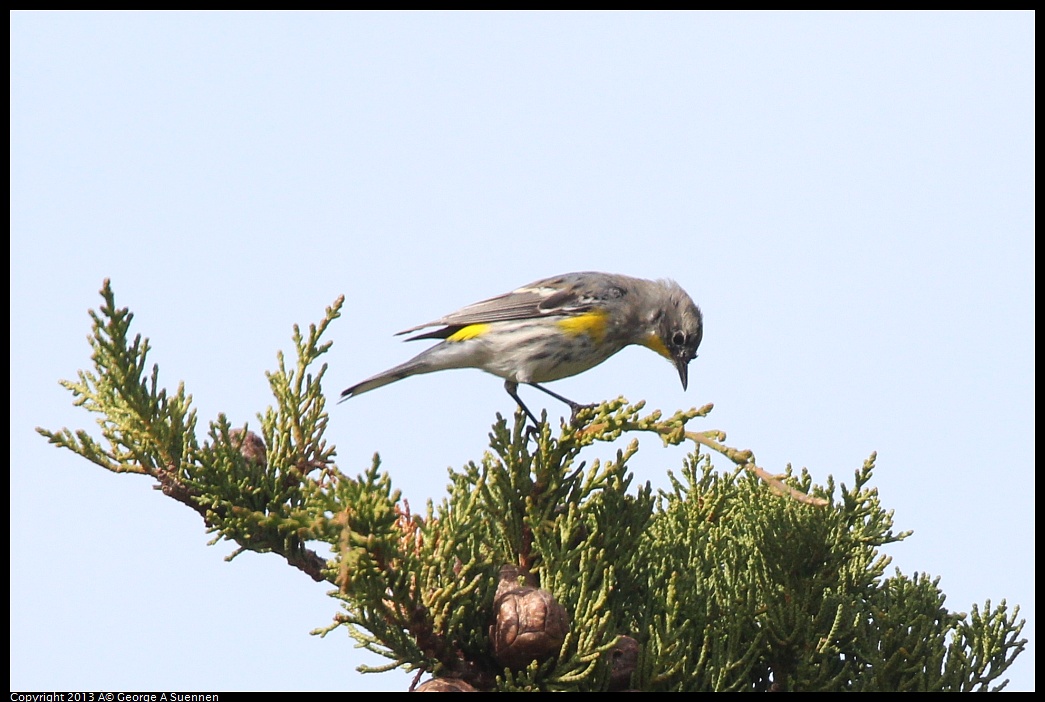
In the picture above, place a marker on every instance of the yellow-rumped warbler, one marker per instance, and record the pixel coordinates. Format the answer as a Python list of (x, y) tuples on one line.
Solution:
[(555, 328)]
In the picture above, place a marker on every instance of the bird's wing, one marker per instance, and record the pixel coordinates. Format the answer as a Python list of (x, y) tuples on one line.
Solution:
[(543, 298)]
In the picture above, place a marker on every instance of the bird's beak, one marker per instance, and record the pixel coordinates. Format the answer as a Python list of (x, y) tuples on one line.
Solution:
[(683, 367)]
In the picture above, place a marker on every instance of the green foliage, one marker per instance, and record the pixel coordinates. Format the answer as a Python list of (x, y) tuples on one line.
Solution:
[(735, 580)]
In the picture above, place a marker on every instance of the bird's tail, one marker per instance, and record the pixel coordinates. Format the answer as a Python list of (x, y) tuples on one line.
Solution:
[(421, 363)]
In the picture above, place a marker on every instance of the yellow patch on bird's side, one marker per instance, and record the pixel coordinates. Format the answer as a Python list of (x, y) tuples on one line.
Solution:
[(469, 332), (591, 323), (653, 342)]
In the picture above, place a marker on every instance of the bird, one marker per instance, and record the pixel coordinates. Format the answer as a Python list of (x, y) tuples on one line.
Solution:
[(555, 328)]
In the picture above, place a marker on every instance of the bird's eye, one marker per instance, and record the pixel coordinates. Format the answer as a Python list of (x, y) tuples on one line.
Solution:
[(678, 338)]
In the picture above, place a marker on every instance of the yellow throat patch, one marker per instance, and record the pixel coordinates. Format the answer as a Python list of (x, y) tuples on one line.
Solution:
[(653, 342)]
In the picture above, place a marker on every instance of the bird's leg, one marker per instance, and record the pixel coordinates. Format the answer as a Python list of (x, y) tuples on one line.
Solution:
[(574, 407), (513, 389)]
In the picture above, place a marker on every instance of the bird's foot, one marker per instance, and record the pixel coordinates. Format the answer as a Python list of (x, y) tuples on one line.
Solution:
[(576, 409)]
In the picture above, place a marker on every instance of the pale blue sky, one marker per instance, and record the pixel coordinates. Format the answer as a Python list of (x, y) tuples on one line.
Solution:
[(849, 197)]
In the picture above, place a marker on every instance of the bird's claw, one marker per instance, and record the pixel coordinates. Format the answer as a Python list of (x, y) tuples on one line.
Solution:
[(575, 409)]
